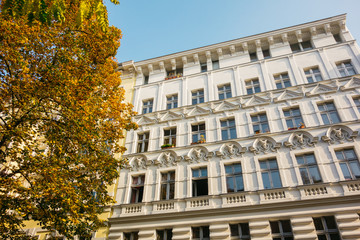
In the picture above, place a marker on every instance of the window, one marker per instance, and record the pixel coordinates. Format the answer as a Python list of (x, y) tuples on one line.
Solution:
[(282, 80), (224, 91), (198, 132), (260, 123), (197, 96), (143, 142), (270, 174), (329, 113), (203, 67), (293, 118), (165, 234), (253, 56), (357, 103), (200, 233), (199, 182), (240, 231), (281, 230), (326, 228), (215, 64), (228, 129), (313, 75), (302, 46), (349, 163), (147, 106), (131, 236), (170, 136), (337, 38), (345, 68), (167, 185), (137, 189), (234, 179), (172, 101), (252, 86), (266, 53), (308, 169), (174, 73), (146, 80)]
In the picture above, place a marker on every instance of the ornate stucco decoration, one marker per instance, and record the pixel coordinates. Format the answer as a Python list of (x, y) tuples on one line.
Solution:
[(138, 162), (301, 139), (231, 149), (339, 134), (265, 145), (168, 158), (198, 154)]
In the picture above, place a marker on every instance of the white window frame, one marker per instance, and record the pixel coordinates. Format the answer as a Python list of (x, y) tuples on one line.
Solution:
[(313, 73), (143, 141), (225, 90), (252, 85), (172, 100), (148, 106), (197, 95), (341, 67), (282, 78)]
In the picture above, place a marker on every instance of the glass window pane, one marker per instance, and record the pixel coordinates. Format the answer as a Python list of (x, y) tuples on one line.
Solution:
[(325, 119), (334, 117), (263, 165), (300, 160), (196, 232), (330, 222), (304, 176), (273, 164), (310, 159), (266, 180), (315, 174), (196, 173), (237, 168), (318, 224), (224, 134), (257, 89), (274, 227), (228, 169), (355, 168), (263, 117), (350, 154), (203, 172), (230, 184), (345, 171), (287, 84), (245, 229), (239, 183), (339, 155), (234, 229), (289, 123), (276, 179), (334, 236), (286, 226), (232, 133)]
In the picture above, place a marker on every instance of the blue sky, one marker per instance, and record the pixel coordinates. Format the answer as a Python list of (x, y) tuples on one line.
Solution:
[(153, 28)]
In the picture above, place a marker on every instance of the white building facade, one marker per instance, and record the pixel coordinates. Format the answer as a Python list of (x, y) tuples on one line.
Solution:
[(254, 138)]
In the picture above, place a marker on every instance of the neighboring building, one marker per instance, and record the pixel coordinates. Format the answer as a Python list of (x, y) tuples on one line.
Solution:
[(253, 138)]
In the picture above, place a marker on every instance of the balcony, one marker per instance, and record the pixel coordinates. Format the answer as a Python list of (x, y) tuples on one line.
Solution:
[(269, 196)]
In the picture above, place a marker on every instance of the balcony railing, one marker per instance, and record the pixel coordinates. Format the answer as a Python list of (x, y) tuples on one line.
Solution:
[(269, 196)]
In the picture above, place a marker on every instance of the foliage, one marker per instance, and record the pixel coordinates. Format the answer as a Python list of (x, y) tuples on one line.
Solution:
[(62, 113), (48, 11)]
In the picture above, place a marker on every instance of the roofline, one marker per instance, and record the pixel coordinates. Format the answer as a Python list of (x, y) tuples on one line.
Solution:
[(243, 39)]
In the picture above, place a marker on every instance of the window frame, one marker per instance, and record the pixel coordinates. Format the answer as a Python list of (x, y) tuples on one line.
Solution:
[(229, 128), (300, 46), (234, 175), (306, 166), (356, 100), (201, 233), (203, 67), (293, 118), (253, 86), (165, 234), (313, 73), (137, 189), (260, 123), (240, 228), (346, 161), (143, 140), (148, 105), (199, 132), (326, 231), (270, 172), (197, 96), (224, 91), (199, 180), (169, 184), (281, 234), (342, 68), (172, 101), (171, 137), (283, 79), (326, 112)]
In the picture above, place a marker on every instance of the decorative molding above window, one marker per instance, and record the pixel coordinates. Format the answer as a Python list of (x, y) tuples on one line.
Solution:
[(168, 158), (231, 149), (265, 145), (198, 154), (301, 139), (339, 134)]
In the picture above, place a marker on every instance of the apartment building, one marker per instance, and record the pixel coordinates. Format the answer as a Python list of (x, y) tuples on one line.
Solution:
[(253, 138)]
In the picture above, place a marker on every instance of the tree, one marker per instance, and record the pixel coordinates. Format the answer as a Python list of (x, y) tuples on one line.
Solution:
[(62, 113)]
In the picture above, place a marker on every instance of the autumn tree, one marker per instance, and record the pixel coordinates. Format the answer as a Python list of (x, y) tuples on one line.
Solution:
[(62, 113)]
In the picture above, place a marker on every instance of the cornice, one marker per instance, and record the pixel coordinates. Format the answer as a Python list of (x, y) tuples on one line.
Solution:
[(266, 35)]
